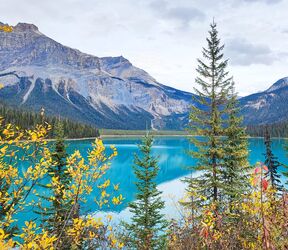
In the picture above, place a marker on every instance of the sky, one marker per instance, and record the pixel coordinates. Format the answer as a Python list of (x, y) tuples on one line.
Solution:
[(165, 37)]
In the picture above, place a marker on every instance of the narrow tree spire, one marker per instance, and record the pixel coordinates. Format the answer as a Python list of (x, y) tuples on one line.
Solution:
[(148, 223), (207, 116), (286, 166), (271, 161)]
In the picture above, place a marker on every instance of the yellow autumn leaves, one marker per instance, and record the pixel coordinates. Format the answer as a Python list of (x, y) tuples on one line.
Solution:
[(5, 242), (32, 239), (31, 147), (256, 220), (6, 28)]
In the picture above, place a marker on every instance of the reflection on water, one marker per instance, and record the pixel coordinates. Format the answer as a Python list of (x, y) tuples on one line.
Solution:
[(172, 160)]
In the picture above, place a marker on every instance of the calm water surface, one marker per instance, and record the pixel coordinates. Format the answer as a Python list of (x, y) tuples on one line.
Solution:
[(172, 160)]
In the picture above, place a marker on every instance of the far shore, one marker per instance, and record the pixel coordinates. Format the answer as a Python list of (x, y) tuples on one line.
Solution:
[(118, 136), (111, 136)]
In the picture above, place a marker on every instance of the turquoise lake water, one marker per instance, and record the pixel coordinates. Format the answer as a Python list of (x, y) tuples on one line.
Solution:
[(172, 160)]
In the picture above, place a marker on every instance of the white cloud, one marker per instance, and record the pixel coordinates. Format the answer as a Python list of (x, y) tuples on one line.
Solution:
[(245, 53), (183, 14), (159, 36), (263, 1)]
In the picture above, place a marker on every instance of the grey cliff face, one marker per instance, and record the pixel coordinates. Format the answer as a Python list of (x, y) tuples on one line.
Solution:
[(107, 92), (269, 106)]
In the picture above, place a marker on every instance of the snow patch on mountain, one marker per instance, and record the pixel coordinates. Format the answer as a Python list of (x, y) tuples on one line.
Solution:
[(256, 105), (279, 84), (109, 88), (25, 97)]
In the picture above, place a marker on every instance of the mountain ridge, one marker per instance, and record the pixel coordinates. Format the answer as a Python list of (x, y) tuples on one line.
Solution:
[(267, 107), (281, 83), (108, 92), (108, 89)]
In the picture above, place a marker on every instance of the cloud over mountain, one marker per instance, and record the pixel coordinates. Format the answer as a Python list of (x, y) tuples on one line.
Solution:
[(245, 53)]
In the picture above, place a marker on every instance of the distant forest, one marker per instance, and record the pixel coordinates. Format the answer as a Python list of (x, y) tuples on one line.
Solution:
[(28, 119), (279, 129)]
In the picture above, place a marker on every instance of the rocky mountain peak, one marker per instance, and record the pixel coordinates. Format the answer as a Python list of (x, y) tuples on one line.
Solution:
[(25, 27), (115, 61), (109, 92), (283, 82)]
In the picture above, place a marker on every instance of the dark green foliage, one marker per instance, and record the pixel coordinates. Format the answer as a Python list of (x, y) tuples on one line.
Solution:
[(57, 208), (147, 229), (271, 161), (235, 164), (286, 166), (208, 117), (27, 119), (279, 129)]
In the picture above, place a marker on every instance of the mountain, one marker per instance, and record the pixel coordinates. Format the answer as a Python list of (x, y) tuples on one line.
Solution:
[(108, 92), (269, 106)]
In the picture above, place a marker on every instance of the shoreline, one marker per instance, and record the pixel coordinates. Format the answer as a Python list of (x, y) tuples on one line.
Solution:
[(141, 135), (118, 136)]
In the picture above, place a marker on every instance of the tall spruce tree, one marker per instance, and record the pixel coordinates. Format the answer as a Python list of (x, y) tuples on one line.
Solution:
[(147, 227), (235, 167), (207, 117), (271, 161), (286, 166), (57, 207)]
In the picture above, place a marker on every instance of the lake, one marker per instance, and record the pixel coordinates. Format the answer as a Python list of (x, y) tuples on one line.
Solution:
[(172, 160)]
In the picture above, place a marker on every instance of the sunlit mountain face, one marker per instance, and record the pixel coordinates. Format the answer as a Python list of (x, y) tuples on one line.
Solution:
[(107, 92)]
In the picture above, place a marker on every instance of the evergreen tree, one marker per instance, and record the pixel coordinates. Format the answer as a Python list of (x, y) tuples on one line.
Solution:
[(286, 166), (146, 228), (271, 161), (279, 129), (207, 117), (28, 120), (235, 164), (57, 208)]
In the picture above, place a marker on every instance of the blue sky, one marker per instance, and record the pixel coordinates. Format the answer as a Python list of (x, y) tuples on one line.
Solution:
[(165, 37)]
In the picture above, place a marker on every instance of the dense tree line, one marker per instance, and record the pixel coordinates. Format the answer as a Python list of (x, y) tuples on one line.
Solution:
[(279, 129), (28, 119)]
